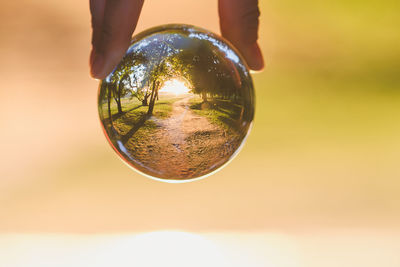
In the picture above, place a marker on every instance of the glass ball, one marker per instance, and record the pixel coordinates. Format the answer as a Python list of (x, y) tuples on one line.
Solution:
[(179, 105)]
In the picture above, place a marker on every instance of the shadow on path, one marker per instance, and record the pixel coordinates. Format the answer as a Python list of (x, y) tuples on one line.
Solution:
[(134, 129), (119, 115)]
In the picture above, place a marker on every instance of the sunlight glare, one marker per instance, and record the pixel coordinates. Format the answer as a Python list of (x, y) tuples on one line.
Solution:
[(175, 87), (151, 249), (168, 248)]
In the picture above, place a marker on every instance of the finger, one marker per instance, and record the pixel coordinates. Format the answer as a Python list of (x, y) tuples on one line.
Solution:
[(119, 21), (97, 12), (239, 21)]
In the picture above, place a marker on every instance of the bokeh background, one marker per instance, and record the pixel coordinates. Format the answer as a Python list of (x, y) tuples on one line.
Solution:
[(317, 183)]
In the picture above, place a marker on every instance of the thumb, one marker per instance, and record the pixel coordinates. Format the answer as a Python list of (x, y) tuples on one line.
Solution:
[(239, 24)]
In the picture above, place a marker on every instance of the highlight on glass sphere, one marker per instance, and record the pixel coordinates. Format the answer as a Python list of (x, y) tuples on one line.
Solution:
[(179, 105)]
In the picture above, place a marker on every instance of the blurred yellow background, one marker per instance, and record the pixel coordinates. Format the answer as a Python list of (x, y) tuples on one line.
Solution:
[(320, 169)]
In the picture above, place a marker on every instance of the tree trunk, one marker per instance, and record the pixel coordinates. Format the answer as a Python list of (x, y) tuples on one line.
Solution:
[(204, 96), (109, 105), (152, 98), (119, 106), (144, 101), (151, 107), (118, 99)]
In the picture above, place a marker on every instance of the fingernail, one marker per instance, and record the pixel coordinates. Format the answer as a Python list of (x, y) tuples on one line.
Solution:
[(97, 66)]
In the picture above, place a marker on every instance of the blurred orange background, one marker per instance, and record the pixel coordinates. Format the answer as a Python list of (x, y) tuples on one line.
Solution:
[(319, 173)]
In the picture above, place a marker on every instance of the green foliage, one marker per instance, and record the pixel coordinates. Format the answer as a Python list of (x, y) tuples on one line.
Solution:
[(220, 112)]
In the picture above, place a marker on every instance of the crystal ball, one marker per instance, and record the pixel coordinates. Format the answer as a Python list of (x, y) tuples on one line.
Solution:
[(179, 105)]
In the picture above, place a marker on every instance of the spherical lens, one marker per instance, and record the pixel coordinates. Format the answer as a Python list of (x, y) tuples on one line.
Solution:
[(179, 105)]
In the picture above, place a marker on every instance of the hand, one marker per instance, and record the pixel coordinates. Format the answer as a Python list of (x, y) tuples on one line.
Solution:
[(114, 21)]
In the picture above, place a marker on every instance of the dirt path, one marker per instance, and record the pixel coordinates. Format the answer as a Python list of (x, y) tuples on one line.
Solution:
[(184, 145)]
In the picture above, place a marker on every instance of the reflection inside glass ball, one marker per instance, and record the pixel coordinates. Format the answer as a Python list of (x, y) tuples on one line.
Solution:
[(179, 104)]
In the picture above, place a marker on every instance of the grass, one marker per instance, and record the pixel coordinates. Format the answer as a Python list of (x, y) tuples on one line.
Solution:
[(223, 113), (133, 123), (127, 105), (162, 107), (132, 118), (143, 133)]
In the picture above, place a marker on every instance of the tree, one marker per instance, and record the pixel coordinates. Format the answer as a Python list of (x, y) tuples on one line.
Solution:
[(207, 71), (163, 64), (120, 83)]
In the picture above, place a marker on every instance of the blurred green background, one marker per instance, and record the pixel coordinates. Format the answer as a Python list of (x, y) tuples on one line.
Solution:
[(324, 151)]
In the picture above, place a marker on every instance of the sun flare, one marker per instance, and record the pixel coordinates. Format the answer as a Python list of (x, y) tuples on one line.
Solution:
[(175, 87)]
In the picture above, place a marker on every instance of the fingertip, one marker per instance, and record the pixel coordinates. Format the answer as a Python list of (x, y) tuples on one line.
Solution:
[(105, 62), (253, 56), (91, 57), (113, 36), (97, 66), (256, 58)]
